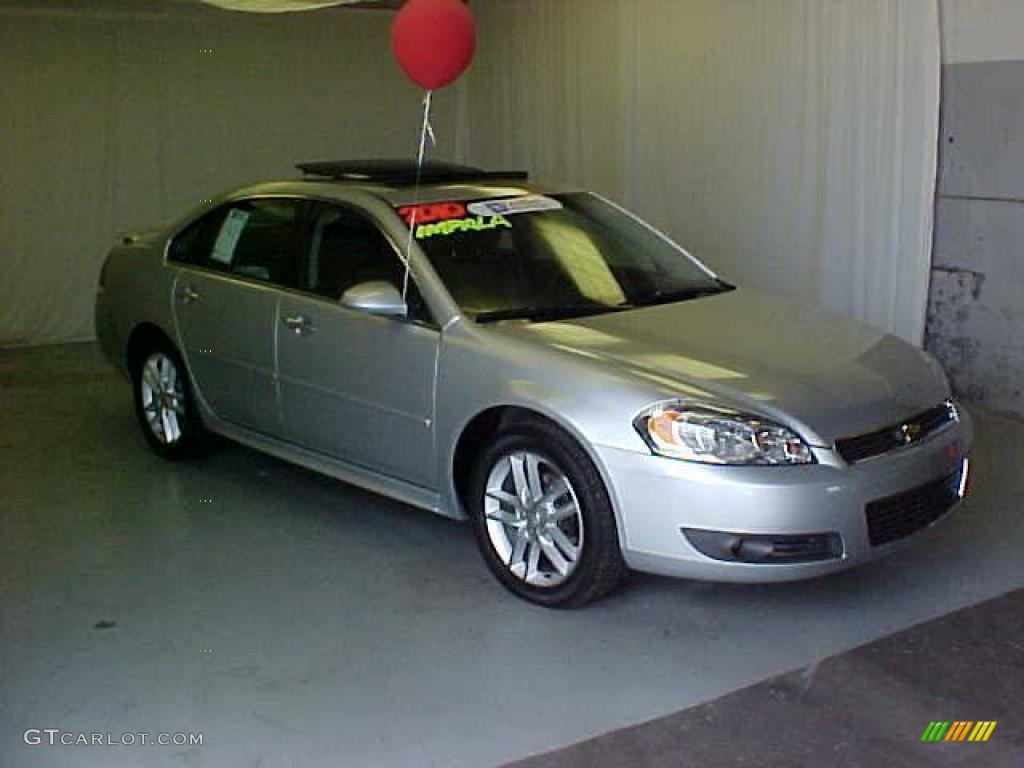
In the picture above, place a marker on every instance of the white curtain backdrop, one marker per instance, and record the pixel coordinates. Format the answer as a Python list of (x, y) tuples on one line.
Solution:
[(791, 144), (113, 120)]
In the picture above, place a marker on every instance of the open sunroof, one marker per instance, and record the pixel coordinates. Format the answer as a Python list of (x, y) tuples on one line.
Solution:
[(401, 172)]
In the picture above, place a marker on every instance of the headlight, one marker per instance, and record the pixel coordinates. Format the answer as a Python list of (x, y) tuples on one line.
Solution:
[(711, 435)]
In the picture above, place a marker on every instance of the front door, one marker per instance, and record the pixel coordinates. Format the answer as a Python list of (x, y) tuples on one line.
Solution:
[(355, 386)]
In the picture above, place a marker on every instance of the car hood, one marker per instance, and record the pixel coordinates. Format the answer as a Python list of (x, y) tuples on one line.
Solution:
[(827, 376)]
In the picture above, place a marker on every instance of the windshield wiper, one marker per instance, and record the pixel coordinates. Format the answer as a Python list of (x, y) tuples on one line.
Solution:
[(683, 294), (564, 312), (540, 314)]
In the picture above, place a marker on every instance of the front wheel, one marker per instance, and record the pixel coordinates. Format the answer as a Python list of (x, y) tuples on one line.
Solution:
[(543, 520)]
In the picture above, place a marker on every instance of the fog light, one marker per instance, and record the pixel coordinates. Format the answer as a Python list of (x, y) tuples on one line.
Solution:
[(765, 547)]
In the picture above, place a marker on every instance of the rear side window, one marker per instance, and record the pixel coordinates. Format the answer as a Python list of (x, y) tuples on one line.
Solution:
[(256, 239)]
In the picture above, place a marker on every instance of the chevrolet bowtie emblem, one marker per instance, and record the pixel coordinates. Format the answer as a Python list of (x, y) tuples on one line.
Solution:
[(909, 432)]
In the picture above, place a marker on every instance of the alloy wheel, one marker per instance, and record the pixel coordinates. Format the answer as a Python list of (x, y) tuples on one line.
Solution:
[(163, 398), (533, 518)]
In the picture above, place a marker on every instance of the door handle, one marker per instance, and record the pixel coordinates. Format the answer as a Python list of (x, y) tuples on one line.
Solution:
[(300, 324), (189, 295)]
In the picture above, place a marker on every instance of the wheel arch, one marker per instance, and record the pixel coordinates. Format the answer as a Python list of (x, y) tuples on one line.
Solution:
[(142, 338), (486, 424)]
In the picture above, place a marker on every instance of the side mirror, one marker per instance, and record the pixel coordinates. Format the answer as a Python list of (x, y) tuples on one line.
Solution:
[(376, 297)]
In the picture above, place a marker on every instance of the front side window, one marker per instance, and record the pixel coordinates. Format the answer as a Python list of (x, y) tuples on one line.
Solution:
[(346, 249), (544, 257)]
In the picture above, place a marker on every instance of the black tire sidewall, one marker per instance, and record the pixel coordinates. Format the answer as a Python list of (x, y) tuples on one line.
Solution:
[(599, 566)]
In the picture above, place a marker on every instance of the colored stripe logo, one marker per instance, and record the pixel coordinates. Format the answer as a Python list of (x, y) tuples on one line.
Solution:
[(958, 730)]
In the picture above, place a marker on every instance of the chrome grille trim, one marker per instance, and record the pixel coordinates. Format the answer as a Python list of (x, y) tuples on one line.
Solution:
[(909, 432)]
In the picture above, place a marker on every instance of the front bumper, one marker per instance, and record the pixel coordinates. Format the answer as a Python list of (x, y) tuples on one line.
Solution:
[(656, 499)]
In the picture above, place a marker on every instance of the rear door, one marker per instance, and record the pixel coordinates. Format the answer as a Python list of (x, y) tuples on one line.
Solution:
[(355, 386), (234, 263)]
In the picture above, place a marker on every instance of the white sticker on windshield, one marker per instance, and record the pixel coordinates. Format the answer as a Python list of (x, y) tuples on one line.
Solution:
[(227, 239), (509, 206)]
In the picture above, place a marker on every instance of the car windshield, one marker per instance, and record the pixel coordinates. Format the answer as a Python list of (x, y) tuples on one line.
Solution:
[(550, 257)]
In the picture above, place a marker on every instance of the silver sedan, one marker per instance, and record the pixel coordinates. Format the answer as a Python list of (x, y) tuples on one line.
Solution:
[(538, 361)]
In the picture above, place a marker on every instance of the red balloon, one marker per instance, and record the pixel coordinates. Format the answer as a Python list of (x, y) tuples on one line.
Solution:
[(433, 41)]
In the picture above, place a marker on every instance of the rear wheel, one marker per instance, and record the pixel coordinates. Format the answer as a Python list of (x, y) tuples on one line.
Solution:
[(164, 405), (543, 520)]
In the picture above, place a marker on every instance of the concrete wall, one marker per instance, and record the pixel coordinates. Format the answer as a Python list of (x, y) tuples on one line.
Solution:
[(976, 304)]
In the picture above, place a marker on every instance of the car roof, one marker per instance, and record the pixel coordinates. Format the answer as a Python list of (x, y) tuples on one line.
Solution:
[(394, 181)]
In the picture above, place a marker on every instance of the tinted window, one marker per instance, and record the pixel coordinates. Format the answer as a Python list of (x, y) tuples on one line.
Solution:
[(193, 244), (257, 239), (252, 238), (346, 249)]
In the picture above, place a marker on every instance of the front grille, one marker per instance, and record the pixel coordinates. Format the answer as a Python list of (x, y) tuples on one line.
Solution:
[(900, 515), (913, 430)]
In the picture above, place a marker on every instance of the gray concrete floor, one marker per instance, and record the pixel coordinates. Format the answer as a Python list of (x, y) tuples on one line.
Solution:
[(859, 709), (346, 629)]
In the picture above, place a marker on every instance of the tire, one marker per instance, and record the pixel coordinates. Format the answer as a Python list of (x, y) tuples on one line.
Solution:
[(164, 405), (530, 547)]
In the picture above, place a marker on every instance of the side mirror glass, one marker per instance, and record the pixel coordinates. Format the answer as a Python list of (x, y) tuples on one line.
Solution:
[(376, 297)]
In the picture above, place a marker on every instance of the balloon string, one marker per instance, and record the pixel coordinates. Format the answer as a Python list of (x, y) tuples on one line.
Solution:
[(425, 131)]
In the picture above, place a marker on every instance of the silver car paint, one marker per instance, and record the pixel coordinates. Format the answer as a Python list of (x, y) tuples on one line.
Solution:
[(359, 387), (826, 377), (227, 328), (822, 376)]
